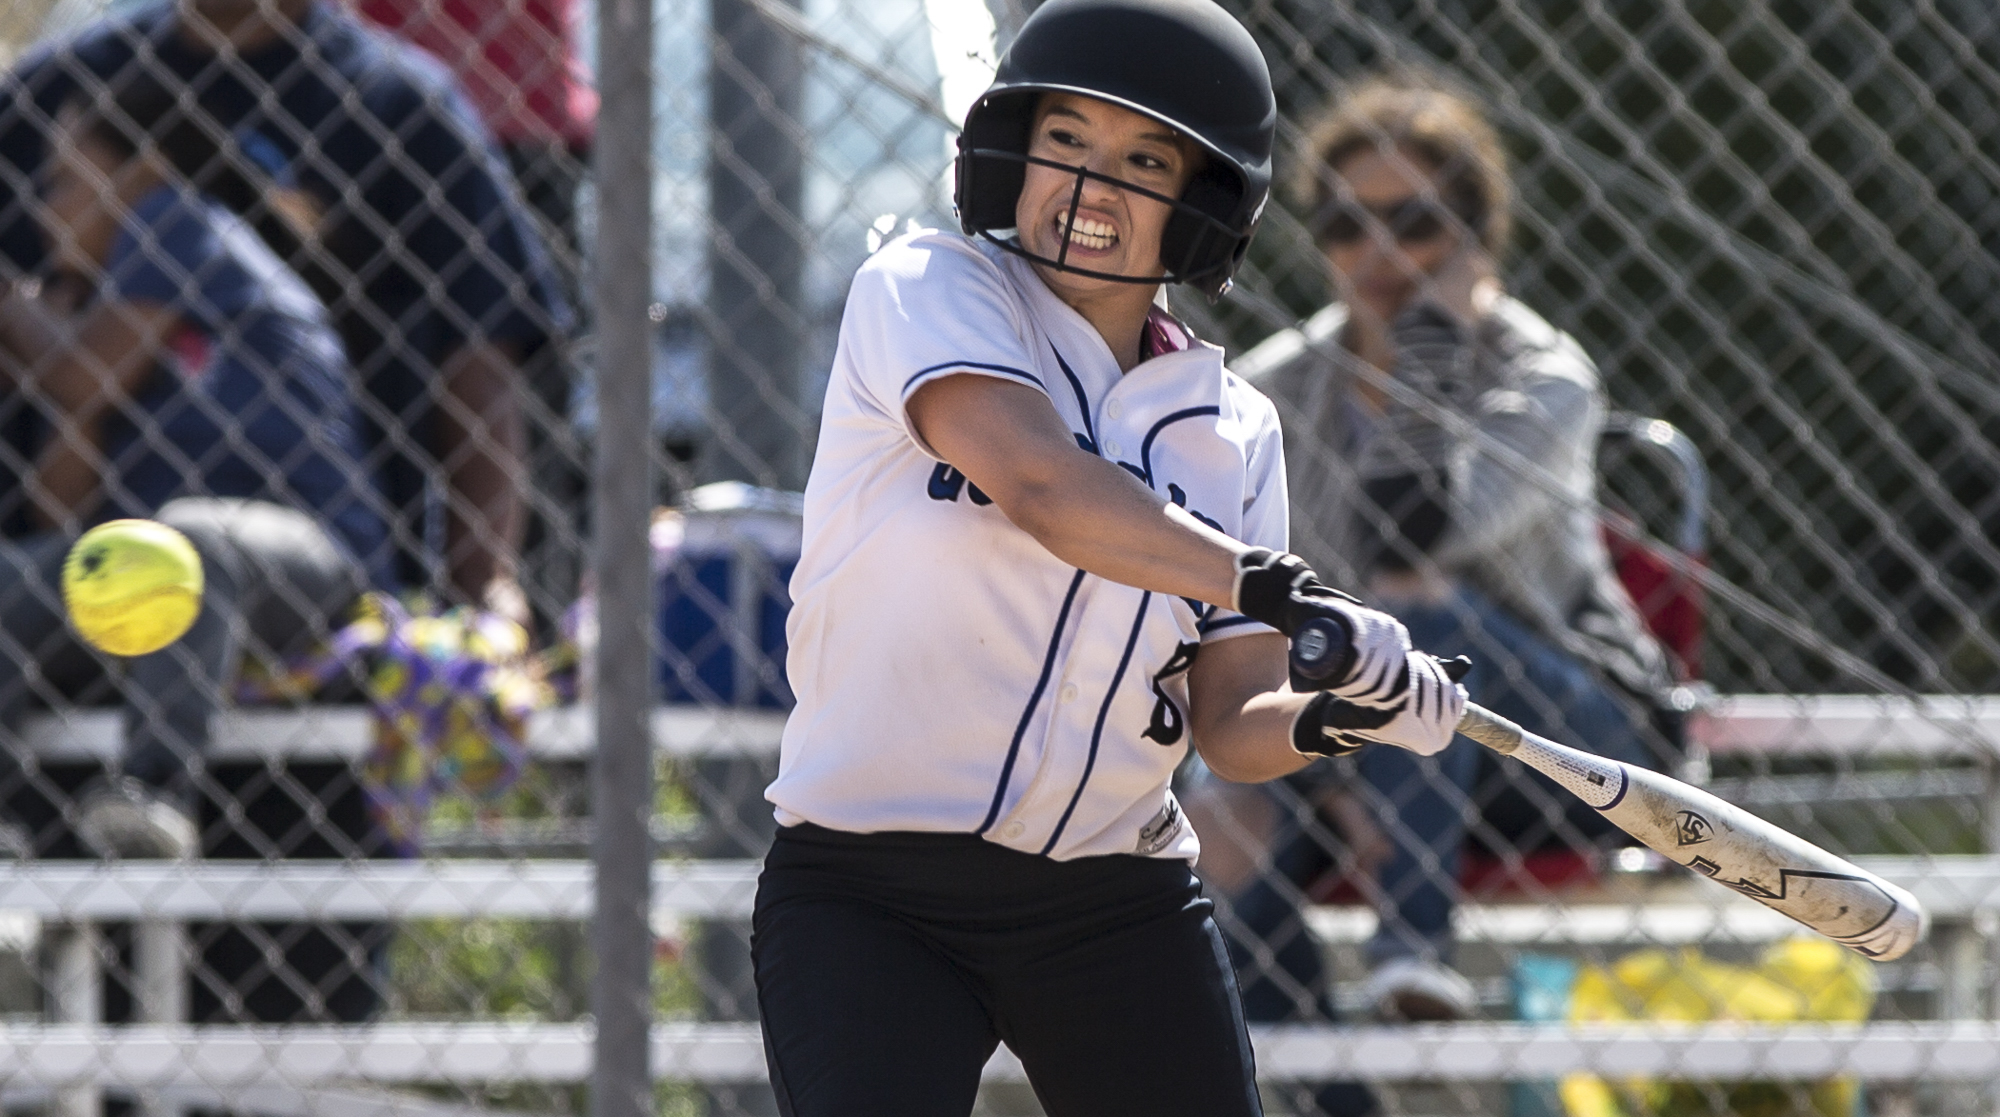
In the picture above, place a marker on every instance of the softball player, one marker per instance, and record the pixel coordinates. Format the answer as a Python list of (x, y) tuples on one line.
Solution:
[(1044, 551)]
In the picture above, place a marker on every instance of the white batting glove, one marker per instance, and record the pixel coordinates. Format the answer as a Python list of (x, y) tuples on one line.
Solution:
[(1423, 723), (1380, 676)]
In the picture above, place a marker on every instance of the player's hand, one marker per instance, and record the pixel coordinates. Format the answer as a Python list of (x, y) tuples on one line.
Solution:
[(1423, 723), (1282, 591)]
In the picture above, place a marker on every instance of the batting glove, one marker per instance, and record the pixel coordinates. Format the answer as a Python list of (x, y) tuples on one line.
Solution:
[(1423, 723), (1282, 591)]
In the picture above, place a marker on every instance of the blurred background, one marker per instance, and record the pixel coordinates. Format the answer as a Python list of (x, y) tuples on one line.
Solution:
[(333, 853)]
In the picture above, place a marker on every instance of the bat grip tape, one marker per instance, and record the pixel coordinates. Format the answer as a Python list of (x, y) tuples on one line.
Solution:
[(1490, 729)]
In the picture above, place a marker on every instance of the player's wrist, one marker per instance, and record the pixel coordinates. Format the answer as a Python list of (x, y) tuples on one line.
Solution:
[(1278, 589), (1265, 582)]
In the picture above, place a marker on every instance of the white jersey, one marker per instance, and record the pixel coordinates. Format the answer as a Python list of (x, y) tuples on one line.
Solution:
[(952, 675)]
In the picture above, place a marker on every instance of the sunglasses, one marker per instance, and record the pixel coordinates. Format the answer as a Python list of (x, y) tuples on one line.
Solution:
[(1410, 221)]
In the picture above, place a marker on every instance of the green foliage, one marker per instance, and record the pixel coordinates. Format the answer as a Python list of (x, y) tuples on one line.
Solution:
[(511, 969)]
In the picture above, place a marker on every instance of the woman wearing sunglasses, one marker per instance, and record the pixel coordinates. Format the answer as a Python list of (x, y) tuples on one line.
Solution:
[(1479, 536)]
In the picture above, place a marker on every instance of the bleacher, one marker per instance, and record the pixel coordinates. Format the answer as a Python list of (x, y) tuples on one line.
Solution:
[(69, 1055)]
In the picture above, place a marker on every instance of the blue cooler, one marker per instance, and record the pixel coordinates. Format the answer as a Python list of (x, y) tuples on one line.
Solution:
[(723, 561)]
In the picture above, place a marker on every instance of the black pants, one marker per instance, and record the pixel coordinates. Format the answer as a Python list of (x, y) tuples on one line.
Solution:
[(889, 966)]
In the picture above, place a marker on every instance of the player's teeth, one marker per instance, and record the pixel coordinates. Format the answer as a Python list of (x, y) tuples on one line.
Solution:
[(1088, 233)]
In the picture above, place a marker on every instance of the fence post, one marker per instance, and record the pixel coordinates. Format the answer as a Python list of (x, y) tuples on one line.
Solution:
[(757, 252), (622, 788)]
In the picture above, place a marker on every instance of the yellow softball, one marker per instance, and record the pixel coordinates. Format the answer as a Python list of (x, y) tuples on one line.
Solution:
[(132, 586)]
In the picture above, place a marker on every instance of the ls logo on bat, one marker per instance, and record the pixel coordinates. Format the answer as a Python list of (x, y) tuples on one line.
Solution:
[(1690, 829)]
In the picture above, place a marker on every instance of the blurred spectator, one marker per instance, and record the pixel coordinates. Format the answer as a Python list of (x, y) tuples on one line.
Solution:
[(185, 374), (435, 276), (516, 62), (439, 288), (1482, 537), (515, 59)]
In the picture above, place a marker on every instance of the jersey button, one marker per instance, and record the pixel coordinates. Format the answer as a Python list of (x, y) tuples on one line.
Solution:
[(1014, 830), (1112, 449), (1069, 692), (1115, 409)]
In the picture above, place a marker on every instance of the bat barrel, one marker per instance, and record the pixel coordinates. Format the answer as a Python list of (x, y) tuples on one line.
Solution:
[(1724, 842)]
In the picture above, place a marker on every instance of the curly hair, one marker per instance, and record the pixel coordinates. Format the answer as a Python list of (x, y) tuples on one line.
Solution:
[(1417, 113)]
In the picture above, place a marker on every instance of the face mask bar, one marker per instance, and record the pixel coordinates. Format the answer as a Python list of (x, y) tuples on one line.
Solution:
[(1060, 262)]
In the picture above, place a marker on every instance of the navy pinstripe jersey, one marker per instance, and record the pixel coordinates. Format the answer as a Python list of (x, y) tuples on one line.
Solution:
[(952, 675)]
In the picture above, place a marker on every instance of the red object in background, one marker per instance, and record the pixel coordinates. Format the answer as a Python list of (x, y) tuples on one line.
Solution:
[(1482, 874), (513, 58), (190, 353), (1669, 602)]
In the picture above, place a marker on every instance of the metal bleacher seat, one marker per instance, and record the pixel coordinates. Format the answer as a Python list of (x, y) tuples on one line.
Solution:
[(332, 1069), (361, 1070), (357, 1070)]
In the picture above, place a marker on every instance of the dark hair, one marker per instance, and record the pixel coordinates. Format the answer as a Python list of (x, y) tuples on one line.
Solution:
[(1415, 111), (141, 113)]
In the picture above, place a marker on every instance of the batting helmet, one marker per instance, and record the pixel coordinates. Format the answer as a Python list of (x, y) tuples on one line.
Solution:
[(1187, 64)]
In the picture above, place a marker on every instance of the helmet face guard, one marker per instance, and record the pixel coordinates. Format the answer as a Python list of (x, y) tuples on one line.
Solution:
[(1195, 245), (1185, 63)]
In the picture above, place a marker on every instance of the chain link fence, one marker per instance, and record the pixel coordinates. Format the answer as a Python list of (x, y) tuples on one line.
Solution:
[(326, 304)]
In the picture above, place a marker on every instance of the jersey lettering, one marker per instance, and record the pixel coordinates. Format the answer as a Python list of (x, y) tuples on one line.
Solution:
[(946, 483), (1168, 725), (1175, 494), (1179, 496)]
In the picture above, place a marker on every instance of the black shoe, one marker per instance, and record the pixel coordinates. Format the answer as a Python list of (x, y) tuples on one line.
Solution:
[(122, 817)]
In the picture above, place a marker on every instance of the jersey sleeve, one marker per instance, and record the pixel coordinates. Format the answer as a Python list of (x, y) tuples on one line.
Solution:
[(923, 308), (1267, 512)]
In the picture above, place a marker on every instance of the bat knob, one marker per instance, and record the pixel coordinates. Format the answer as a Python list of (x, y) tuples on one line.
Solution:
[(1322, 651)]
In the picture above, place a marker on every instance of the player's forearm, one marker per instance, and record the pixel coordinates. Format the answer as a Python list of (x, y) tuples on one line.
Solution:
[(1254, 743), (1096, 517), (1240, 711), (1008, 440)]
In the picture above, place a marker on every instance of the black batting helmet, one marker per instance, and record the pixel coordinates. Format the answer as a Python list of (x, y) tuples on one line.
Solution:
[(1187, 64)]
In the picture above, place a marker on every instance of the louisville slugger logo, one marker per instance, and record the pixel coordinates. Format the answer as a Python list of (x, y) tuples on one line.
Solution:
[(1690, 829)]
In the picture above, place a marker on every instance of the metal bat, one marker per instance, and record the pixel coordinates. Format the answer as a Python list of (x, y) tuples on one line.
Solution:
[(1689, 826)]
